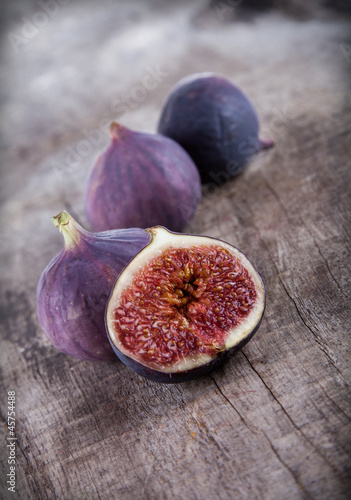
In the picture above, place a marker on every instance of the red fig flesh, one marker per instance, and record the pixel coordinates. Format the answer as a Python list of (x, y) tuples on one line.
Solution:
[(73, 289), (182, 305), (142, 180)]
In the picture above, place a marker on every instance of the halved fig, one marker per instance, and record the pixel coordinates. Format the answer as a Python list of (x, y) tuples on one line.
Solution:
[(183, 305)]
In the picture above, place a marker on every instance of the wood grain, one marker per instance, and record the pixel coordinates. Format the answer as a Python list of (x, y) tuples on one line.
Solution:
[(274, 422)]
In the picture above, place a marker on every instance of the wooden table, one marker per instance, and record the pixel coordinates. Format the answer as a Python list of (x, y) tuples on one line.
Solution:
[(274, 422)]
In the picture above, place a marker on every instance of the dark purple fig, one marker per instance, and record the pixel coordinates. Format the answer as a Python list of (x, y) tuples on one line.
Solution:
[(215, 123), (142, 180), (183, 305), (73, 289)]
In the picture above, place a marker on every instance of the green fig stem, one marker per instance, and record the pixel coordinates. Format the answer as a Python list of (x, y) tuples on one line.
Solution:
[(69, 228)]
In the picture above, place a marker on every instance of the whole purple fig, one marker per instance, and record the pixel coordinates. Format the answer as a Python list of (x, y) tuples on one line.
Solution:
[(73, 289), (215, 123), (142, 180)]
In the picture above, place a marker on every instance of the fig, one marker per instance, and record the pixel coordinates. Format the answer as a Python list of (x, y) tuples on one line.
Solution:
[(215, 123), (142, 180), (73, 289), (183, 305)]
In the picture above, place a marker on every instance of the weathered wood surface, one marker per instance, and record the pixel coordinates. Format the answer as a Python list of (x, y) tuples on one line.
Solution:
[(274, 422)]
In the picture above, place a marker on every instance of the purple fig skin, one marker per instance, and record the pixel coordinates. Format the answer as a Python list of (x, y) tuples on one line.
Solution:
[(73, 289), (215, 123), (142, 180)]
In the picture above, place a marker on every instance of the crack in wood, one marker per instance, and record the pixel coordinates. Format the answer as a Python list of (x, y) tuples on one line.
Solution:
[(249, 426), (210, 436), (3, 420), (290, 418), (302, 489), (37, 486), (96, 488), (27, 471), (329, 270), (97, 424), (348, 417), (278, 198), (315, 335)]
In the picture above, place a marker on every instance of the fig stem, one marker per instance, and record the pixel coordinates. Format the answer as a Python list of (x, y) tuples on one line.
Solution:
[(266, 143), (115, 129), (69, 228)]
